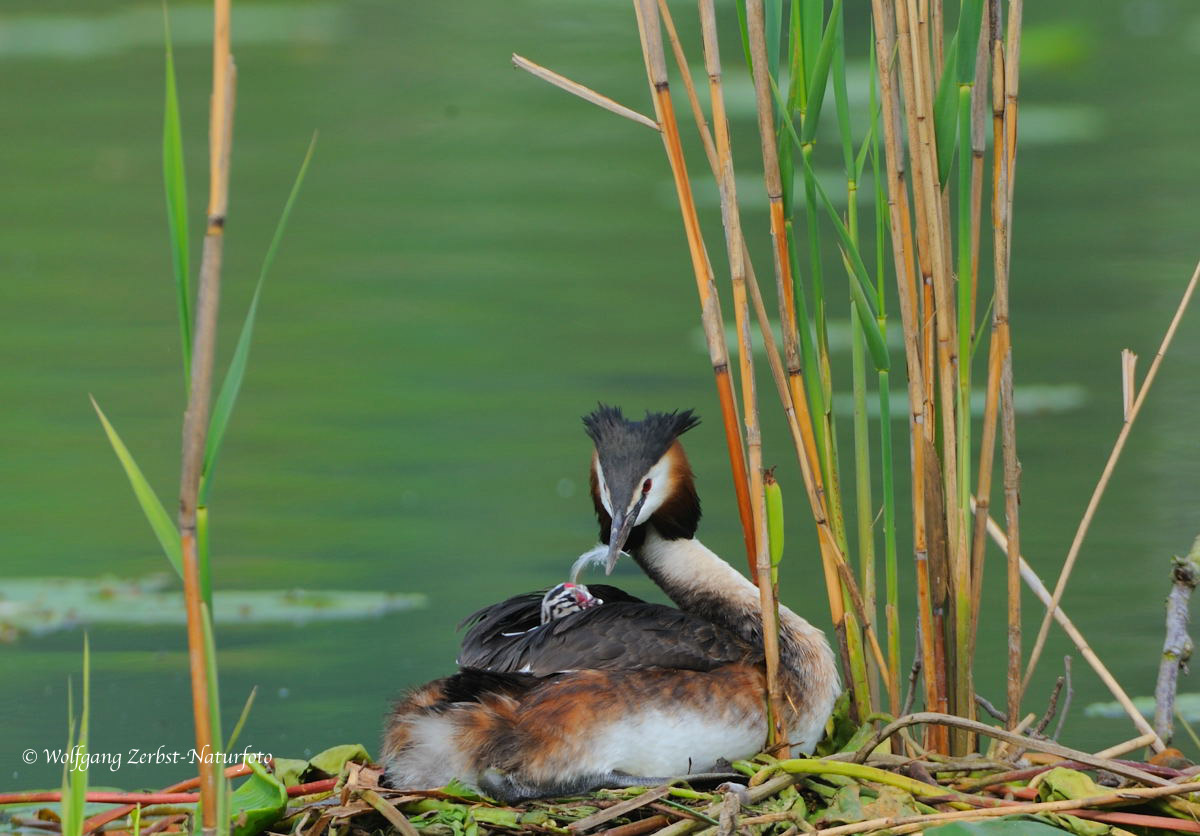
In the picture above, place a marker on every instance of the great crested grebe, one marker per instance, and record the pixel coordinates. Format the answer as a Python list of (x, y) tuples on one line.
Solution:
[(606, 689)]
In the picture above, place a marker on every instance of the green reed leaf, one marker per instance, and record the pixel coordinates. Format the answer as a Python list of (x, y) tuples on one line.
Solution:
[(162, 524), (175, 187)]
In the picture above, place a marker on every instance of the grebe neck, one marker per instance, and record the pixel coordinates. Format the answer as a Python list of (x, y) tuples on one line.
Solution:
[(700, 582)]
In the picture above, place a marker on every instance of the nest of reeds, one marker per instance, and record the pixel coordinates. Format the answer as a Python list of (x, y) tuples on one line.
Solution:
[(863, 789)]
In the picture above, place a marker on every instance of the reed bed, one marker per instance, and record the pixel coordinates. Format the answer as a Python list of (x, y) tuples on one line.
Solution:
[(924, 153)]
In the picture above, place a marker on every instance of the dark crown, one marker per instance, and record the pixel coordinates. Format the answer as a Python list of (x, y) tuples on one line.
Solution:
[(615, 435)]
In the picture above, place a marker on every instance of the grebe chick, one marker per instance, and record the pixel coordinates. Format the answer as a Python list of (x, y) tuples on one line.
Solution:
[(626, 692)]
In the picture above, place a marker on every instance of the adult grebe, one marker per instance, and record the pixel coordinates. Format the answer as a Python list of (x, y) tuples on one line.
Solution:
[(623, 692)]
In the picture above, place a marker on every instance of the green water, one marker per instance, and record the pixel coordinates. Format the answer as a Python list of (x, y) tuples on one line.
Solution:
[(475, 261)]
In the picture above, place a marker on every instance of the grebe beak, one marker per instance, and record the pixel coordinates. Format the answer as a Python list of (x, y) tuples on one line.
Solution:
[(622, 524)]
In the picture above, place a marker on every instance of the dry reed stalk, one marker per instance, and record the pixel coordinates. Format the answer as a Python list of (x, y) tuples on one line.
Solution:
[(979, 103), (585, 93), (847, 626), (916, 75), (1128, 746), (999, 358), (1008, 63), (911, 824), (1043, 594), (1106, 475), (1123, 769), (903, 256), (195, 422), (735, 245), (710, 306)]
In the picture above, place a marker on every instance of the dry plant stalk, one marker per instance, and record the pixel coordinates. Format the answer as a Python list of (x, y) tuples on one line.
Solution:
[(895, 823), (776, 736), (585, 93), (999, 381), (195, 422), (933, 247), (1177, 647), (710, 306), (920, 409), (845, 621), (1049, 746), (1106, 475)]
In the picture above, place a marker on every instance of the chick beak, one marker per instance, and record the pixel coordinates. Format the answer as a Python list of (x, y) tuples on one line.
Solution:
[(622, 524)]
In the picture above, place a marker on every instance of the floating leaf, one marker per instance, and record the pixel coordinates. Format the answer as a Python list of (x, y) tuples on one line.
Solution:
[(36, 606)]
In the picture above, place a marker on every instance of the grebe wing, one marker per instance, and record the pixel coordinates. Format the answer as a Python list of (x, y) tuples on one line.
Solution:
[(621, 635)]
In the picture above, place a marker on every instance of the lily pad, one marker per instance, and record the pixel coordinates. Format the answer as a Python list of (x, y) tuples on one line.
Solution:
[(34, 606), (1188, 705)]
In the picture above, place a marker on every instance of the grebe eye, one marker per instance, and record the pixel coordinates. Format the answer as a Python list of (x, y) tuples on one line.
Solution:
[(646, 486)]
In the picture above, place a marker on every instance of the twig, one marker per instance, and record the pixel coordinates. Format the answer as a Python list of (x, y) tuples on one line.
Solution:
[(1051, 705), (1118, 447), (1039, 589), (987, 706), (619, 809), (1126, 747), (1177, 646), (1062, 717), (912, 684), (637, 828), (585, 93), (1028, 742)]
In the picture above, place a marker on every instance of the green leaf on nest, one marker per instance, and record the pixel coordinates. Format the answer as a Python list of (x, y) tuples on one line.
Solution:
[(258, 802)]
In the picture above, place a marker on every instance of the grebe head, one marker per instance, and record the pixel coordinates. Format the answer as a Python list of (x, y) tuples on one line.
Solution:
[(567, 598), (639, 475)]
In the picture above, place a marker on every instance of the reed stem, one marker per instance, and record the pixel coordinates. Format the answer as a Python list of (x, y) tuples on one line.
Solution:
[(710, 306), (195, 425), (776, 734)]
